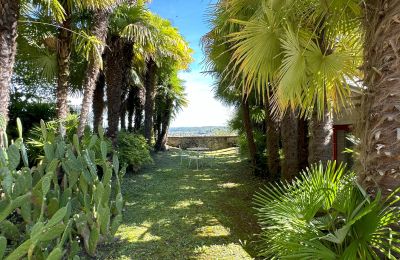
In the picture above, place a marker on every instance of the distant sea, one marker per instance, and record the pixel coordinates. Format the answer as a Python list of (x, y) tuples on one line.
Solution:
[(201, 131)]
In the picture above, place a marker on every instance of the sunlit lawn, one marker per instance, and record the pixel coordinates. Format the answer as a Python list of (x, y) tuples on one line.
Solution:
[(173, 212)]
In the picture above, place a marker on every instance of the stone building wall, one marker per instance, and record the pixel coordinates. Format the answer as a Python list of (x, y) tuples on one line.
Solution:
[(211, 142)]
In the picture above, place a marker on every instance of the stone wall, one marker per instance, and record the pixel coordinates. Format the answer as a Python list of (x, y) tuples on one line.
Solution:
[(211, 142)]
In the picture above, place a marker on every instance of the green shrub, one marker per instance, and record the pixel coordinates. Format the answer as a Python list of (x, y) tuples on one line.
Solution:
[(46, 210), (325, 214), (30, 113), (133, 150)]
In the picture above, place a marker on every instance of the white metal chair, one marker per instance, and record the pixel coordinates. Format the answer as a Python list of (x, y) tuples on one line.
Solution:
[(194, 156)]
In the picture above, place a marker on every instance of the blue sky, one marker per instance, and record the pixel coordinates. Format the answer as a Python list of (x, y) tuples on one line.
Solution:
[(189, 16)]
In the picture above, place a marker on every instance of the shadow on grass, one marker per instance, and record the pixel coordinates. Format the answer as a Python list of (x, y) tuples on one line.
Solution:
[(173, 212)]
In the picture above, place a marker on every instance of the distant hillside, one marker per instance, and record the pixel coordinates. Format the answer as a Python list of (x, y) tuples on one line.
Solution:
[(200, 131)]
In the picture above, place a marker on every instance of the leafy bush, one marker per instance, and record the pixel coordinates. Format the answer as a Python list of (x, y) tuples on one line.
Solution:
[(324, 214), (46, 210), (133, 150), (30, 113)]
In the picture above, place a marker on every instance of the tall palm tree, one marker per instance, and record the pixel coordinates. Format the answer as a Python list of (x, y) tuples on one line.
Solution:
[(275, 48), (64, 50), (128, 27), (168, 47), (218, 53), (9, 11), (150, 87), (169, 101), (9, 14), (99, 28)]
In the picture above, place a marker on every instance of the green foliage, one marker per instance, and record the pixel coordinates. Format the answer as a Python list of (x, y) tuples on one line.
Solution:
[(133, 150), (36, 140), (29, 112), (303, 53), (45, 210), (325, 214)]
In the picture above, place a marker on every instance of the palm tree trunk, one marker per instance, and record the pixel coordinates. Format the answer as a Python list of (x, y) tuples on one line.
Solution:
[(114, 79), (161, 144), (150, 84), (249, 133), (321, 134), (63, 58), (130, 107), (140, 97), (123, 116), (9, 12), (272, 144), (303, 142), (98, 102), (99, 30), (380, 127), (139, 100), (290, 164)]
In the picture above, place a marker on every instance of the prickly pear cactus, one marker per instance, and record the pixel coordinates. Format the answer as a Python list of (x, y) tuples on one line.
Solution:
[(69, 194)]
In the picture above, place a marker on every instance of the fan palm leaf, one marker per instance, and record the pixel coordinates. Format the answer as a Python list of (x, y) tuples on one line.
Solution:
[(325, 214)]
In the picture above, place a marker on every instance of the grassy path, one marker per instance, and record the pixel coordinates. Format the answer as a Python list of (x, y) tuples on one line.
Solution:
[(173, 212)]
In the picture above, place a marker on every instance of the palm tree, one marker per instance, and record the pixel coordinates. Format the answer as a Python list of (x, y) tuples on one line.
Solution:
[(114, 78), (64, 51), (9, 11), (9, 14), (99, 29), (300, 70), (170, 99), (168, 47), (150, 87), (218, 53), (128, 27)]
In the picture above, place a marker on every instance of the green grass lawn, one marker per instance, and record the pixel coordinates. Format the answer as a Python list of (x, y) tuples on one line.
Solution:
[(173, 212)]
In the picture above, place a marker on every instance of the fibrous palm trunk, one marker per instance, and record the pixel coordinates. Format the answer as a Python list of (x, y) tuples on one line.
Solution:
[(321, 134), (9, 11), (380, 125), (272, 144), (161, 144), (119, 60), (140, 97), (303, 142), (150, 84), (99, 30), (290, 163), (114, 79), (98, 102), (130, 107), (63, 58), (249, 133), (123, 116)]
